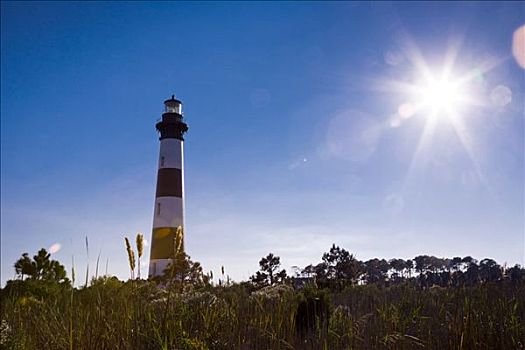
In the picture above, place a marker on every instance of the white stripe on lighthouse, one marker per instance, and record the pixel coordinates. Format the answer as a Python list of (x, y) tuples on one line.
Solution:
[(168, 212), (170, 153)]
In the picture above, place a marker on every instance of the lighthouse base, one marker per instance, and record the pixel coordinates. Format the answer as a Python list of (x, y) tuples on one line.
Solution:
[(157, 267)]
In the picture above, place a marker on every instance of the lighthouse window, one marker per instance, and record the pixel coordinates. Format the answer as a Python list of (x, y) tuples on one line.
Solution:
[(162, 161), (158, 208)]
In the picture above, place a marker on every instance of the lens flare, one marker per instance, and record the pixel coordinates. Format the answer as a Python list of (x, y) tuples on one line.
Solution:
[(518, 46), (55, 248)]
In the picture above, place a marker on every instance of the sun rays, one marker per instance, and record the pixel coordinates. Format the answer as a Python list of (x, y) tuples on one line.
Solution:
[(445, 95)]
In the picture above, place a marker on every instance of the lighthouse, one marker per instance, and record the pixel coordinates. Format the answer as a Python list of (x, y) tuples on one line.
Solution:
[(168, 216)]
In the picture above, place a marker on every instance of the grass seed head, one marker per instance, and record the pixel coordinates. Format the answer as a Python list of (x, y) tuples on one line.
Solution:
[(140, 244), (131, 254)]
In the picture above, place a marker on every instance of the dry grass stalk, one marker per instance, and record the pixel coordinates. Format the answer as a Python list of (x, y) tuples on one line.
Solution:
[(131, 257), (140, 249)]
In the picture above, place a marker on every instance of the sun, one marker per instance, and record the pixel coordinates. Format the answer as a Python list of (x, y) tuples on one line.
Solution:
[(440, 98), (447, 98), (441, 95)]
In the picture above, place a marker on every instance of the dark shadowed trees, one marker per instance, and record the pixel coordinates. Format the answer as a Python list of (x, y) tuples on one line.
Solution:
[(376, 271), (339, 267), (489, 271), (515, 274), (269, 273), (398, 266), (41, 267), (422, 263), (40, 277), (471, 275), (455, 264), (182, 270), (25, 266)]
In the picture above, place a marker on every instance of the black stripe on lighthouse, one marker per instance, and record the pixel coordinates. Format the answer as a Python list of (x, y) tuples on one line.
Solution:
[(169, 182)]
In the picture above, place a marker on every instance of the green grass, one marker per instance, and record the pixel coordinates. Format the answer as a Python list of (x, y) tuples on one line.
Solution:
[(110, 314)]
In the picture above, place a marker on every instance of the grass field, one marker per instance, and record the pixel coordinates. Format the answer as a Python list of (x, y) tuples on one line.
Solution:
[(111, 314)]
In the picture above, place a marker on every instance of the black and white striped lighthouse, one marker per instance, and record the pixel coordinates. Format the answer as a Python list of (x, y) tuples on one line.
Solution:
[(168, 217)]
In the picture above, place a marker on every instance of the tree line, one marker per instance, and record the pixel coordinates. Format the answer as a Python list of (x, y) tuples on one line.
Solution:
[(339, 268)]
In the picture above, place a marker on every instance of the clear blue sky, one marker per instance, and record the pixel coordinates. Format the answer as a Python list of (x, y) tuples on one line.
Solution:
[(295, 138)]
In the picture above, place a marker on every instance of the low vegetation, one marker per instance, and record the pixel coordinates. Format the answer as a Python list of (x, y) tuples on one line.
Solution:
[(340, 303)]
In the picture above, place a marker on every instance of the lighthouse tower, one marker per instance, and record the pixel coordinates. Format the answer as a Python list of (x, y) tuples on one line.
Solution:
[(168, 217)]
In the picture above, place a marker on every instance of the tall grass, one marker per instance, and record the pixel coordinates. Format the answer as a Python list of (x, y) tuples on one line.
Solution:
[(110, 314)]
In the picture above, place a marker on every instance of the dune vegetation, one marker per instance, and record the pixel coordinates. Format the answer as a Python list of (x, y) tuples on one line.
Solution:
[(340, 303)]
